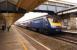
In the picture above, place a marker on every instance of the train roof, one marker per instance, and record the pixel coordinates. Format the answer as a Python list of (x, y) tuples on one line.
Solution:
[(35, 14), (36, 18), (32, 15)]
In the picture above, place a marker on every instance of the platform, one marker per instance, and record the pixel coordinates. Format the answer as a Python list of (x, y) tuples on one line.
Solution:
[(22, 39), (9, 41), (12, 41)]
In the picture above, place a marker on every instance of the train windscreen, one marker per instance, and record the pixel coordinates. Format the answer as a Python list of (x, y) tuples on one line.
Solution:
[(54, 22)]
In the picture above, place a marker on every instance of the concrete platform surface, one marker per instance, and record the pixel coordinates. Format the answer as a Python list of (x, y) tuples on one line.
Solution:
[(12, 41), (9, 41)]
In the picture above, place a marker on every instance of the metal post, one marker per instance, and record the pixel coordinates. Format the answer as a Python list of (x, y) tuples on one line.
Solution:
[(18, 4), (7, 5), (55, 7), (47, 6)]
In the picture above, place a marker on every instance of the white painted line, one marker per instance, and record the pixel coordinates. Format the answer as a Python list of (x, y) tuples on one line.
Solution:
[(36, 41)]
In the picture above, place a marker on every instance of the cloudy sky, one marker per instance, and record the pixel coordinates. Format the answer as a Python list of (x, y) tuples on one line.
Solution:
[(73, 1)]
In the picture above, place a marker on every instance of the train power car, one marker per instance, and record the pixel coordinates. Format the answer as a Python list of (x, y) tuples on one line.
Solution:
[(45, 24)]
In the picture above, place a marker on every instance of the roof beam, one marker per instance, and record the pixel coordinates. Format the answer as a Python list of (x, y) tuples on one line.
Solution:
[(29, 5), (68, 9), (55, 5)]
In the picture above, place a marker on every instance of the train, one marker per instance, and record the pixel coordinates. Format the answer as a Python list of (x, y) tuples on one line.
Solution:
[(47, 24)]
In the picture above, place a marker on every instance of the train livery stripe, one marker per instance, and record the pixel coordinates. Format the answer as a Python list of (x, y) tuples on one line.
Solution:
[(53, 23)]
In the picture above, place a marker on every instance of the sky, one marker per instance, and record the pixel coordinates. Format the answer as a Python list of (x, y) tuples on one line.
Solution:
[(72, 1)]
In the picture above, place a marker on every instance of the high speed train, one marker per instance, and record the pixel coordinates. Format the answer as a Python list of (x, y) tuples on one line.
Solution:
[(45, 24)]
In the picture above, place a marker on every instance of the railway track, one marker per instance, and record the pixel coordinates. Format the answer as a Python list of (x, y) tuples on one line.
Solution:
[(69, 39)]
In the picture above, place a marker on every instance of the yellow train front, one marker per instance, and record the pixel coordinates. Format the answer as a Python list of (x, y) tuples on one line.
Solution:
[(55, 25)]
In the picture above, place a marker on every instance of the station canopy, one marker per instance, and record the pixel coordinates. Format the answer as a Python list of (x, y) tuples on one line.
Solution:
[(51, 5), (19, 5), (57, 5), (29, 5)]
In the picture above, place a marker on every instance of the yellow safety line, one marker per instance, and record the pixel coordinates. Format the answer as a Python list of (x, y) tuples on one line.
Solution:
[(22, 43)]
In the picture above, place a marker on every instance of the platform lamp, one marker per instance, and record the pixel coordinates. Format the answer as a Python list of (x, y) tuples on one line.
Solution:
[(6, 6)]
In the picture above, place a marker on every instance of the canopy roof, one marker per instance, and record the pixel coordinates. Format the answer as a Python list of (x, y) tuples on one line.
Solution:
[(27, 5)]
